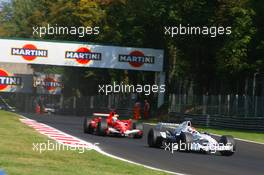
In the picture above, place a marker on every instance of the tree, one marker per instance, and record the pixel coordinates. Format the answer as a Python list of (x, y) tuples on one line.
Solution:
[(212, 64)]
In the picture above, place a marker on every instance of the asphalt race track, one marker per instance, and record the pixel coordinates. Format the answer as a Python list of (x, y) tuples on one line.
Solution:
[(248, 160)]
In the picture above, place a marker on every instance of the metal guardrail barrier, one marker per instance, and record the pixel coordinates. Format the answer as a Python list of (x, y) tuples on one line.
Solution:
[(219, 121), (227, 105)]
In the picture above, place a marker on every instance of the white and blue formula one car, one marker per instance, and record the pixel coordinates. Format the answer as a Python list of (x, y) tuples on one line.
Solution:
[(184, 137)]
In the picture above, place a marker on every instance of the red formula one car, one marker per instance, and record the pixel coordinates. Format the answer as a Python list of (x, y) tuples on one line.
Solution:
[(109, 124)]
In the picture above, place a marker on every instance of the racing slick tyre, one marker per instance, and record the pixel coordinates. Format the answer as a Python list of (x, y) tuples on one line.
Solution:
[(87, 128), (102, 127), (154, 138), (139, 126), (228, 140), (184, 142)]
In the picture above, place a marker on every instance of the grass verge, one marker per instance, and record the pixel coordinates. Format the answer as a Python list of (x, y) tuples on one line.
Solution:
[(247, 135), (18, 158)]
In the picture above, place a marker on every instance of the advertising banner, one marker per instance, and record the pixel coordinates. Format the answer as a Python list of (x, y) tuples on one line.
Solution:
[(10, 82), (47, 83), (80, 54)]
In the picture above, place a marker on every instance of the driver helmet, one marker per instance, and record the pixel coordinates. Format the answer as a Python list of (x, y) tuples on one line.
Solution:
[(115, 117), (192, 130), (112, 113)]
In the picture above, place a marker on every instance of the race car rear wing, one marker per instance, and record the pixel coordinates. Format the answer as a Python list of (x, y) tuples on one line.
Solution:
[(100, 115)]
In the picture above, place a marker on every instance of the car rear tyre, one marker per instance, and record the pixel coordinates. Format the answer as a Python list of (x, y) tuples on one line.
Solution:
[(139, 126), (154, 138), (185, 141), (228, 140), (102, 127)]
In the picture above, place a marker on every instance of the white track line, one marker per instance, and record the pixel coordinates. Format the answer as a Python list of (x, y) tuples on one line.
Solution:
[(243, 140), (96, 148), (135, 163)]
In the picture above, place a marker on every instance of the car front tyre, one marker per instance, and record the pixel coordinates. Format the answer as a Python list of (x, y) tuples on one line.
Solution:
[(228, 140), (87, 126), (154, 138)]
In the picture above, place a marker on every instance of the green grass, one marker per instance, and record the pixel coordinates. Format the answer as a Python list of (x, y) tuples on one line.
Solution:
[(247, 135), (18, 158)]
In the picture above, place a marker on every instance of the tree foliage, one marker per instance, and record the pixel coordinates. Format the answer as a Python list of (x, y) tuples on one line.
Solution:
[(204, 61)]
